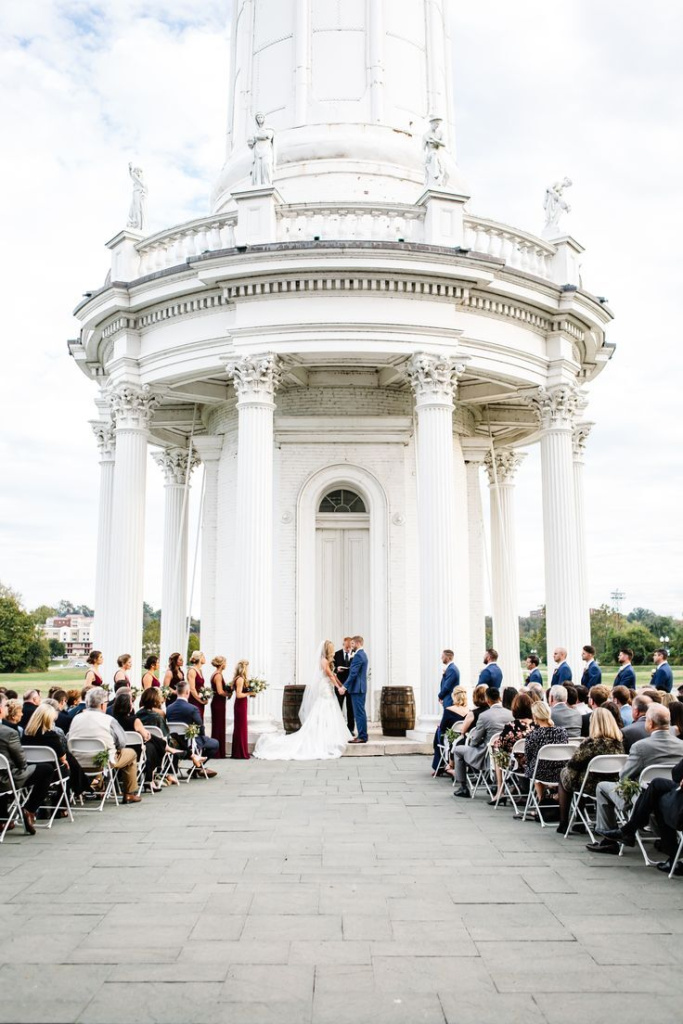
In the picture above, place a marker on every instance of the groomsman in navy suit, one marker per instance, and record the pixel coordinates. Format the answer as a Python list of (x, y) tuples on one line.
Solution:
[(592, 673), (491, 674), (626, 675), (663, 678), (532, 663), (449, 680), (563, 673)]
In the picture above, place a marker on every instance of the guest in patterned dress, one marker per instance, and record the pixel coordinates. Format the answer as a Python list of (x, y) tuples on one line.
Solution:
[(543, 734), (518, 729), (605, 738)]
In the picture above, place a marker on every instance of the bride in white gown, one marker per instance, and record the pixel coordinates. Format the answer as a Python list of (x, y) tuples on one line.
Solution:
[(323, 733)]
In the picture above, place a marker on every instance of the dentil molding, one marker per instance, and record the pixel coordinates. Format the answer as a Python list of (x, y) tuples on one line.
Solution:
[(176, 464)]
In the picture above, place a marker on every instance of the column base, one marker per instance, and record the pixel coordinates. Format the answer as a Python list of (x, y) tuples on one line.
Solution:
[(424, 730)]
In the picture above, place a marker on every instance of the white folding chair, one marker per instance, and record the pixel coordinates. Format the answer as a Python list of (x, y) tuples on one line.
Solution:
[(483, 775), (653, 771), (135, 742), (513, 775), (679, 854), (605, 765), (46, 755), (167, 766), (553, 753), (83, 751), (14, 797), (180, 729), (575, 741)]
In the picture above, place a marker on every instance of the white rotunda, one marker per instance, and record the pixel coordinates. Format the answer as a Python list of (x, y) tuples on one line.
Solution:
[(344, 348)]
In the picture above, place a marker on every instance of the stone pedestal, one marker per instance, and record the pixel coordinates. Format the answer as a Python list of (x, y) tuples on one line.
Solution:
[(443, 217), (256, 215), (566, 263), (106, 443), (501, 466), (125, 259)]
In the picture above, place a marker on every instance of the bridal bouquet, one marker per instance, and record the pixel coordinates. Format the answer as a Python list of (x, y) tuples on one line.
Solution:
[(106, 687), (134, 691), (257, 685), (205, 693), (166, 692)]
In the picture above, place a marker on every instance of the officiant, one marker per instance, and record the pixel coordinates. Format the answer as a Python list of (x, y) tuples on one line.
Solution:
[(342, 660)]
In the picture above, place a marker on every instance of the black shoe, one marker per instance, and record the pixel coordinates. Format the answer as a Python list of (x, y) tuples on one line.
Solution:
[(604, 846), (665, 865), (463, 791), (503, 802), (562, 828), (618, 835), (29, 822)]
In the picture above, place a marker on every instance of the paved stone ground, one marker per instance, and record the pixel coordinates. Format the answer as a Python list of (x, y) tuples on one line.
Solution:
[(348, 891)]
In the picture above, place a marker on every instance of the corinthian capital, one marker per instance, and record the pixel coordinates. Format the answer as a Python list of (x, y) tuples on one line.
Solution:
[(580, 438), (502, 464), (132, 405), (255, 376), (105, 436), (556, 407), (176, 464), (434, 377)]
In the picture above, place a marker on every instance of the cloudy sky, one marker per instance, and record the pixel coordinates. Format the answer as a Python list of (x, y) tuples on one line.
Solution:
[(592, 89)]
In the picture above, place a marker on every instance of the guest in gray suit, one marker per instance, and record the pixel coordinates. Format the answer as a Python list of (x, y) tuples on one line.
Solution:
[(660, 747), (637, 730), (563, 716), (489, 724)]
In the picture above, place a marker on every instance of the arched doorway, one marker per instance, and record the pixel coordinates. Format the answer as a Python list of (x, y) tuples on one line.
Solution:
[(342, 556)]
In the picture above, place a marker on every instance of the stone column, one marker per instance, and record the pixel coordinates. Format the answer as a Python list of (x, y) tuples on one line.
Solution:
[(579, 440), (555, 408), (209, 448), (132, 408), (501, 466), (256, 379), (478, 569), (433, 379), (177, 465), (106, 443)]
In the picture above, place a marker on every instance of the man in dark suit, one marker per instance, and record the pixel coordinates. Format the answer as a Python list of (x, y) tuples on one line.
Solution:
[(38, 776), (562, 673), (357, 686), (31, 702), (592, 674), (626, 675), (663, 678), (182, 711), (449, 680), (532, 663), (491, 674), (342, 663)]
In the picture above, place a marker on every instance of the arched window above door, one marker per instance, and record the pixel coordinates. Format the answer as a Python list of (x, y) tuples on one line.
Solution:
[(342, 501)]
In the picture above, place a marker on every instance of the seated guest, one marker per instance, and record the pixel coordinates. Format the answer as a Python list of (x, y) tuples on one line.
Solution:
[(80, 705), (507, 697), (63, 717), (652, 693), (649, 804), (95, 723), (626, 675), (623, 697), (37, 776), (544, 733), (582, 699), (535, 693), (563, 716), (676, 712), (520, 726), (155, 748), (604, 738), (668, 699), (42, 731), (13, 717), (457, 712), (490, 722), (636, 731), (597, 695), (659, 747), (31, 702), (152, 713), (480, 704), (182, 711), (615, 712)]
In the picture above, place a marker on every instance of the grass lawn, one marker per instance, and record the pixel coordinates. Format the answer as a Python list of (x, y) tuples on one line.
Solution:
[(68, 678)]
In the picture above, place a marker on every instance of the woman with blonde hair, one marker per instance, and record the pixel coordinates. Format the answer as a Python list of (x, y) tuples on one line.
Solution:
[(604, 738), (453, 715), (544, 733), (240, 732), (218, 704)]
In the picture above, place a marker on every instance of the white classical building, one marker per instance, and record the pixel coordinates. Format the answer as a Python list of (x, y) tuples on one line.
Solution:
[(345, 349)]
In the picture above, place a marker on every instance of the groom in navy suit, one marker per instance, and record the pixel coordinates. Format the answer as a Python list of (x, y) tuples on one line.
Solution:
[(356, 686)]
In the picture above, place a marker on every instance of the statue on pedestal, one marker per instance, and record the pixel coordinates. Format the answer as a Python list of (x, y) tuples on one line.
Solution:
[(136, 213), (432, 144), (555, 205), (262, 145)]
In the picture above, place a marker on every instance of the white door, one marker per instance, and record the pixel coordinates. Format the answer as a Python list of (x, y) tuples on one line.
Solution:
[(342, 577)]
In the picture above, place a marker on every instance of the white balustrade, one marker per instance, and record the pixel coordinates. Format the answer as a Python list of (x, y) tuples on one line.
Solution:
[(171, 248), (363, 222), (519, 249)]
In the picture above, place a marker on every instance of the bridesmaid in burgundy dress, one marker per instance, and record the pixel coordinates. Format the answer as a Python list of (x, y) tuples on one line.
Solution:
[(150, 677), (240, 734), (174, 675), (196, 681), (92, 678), (218, 704), (122, 674)]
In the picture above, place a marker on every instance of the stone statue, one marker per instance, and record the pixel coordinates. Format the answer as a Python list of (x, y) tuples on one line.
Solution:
[(555, 205), (262, 144), (432, 144), (136, 213)]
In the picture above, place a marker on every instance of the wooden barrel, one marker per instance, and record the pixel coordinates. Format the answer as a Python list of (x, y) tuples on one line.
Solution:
[(291, 702), (397, 710)]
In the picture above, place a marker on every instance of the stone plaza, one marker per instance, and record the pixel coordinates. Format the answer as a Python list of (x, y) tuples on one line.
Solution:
[(346, 891)]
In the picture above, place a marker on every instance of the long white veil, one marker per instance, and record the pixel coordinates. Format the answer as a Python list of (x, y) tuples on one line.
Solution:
[(314, 688)]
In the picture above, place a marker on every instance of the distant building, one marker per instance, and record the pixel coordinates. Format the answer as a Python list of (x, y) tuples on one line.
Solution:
[(537, 613), (72, 630)]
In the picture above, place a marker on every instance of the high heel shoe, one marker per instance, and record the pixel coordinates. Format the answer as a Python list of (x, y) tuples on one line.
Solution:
[(502, 802)]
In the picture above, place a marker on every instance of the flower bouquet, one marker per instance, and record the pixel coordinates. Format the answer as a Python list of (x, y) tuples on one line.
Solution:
[(452, 735), (166, 692), (192, 732), (106, 687), (501, 758), (257, 685), (134, 693), (205, 693), (101, 760), (628, 790)]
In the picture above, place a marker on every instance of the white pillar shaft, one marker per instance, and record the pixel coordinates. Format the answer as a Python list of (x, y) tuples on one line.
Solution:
[(302, 59), (128, 545), (209, 558), (563, 627), (174, 575), (504, 580), (103, 582), (254, 540), (580, 517), (376, 61), (436, 501), (475, 519)]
